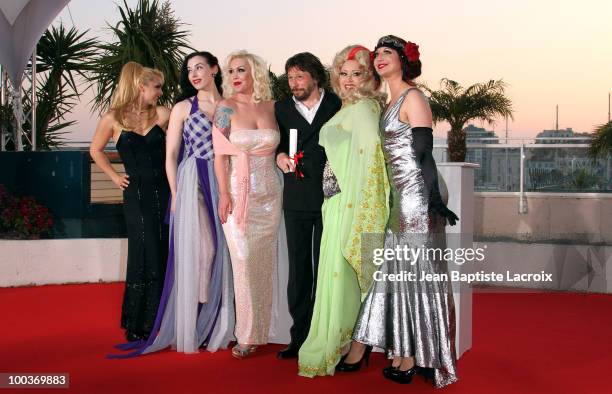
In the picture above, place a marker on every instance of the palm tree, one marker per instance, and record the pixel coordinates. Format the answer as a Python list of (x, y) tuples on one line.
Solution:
[(457, 105), (279, 86), (601, 144), (151, 35), (60, 64), (61, 68)]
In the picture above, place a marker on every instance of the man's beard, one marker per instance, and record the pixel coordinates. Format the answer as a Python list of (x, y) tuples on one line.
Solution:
[(303, 94)]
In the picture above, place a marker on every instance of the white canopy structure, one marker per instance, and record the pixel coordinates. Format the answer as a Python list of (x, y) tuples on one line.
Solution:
[(22, 23)]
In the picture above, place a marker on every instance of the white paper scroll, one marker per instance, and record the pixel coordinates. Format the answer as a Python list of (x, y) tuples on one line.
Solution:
[(292, 142)]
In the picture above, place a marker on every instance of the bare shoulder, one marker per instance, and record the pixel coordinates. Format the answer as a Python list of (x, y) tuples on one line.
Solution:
[(227, 103), (223, 114), (266, 108), (182, 105), (415, 109), (225, 107), (415, 100), (108, 117), (415, 96), (108, 121), (163, 113), (181, 109), (108, 128)]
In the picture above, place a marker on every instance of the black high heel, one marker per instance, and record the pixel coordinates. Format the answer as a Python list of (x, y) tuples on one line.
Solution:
[(346, 367), (388, 370), (402, 377)]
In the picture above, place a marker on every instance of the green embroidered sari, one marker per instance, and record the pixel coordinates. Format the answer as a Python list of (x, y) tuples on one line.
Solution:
[(352, 145)]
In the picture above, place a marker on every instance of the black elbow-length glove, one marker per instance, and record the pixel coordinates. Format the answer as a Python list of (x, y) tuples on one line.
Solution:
[(422, 143)]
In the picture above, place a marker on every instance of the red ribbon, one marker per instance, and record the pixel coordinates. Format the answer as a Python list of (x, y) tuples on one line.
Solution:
[(297, 157), (357, 48)]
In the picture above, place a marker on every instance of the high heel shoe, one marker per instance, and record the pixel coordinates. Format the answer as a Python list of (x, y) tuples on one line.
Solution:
[(388, 370), (240, 351), (354, 367), (398, 376)]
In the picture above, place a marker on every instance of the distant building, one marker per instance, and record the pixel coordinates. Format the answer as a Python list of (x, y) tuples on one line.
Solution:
[(560, 137), (478, 135), (499, 168), (561, 168), (547, 168)]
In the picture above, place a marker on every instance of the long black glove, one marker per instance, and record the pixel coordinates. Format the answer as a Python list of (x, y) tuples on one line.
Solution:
[(422, 143)]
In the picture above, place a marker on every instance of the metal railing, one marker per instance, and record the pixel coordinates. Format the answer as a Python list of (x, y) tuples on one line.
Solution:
[(540, 165), (520, 166)]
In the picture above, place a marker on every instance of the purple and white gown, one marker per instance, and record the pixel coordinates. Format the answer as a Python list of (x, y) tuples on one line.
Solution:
[(197, 303)]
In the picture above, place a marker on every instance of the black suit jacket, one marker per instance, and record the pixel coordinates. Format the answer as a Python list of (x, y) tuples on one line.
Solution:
[(305, 194)]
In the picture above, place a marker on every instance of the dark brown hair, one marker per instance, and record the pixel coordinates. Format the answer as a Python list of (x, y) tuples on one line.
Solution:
[(410, 70)]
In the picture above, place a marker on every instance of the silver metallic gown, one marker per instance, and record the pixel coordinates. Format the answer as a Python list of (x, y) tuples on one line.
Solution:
[(411, 317)]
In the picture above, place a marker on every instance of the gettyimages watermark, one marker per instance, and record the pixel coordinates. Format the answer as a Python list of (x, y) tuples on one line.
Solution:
[(422, 262), (401, 255)]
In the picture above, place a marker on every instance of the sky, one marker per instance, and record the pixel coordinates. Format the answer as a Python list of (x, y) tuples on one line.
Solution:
[(548, 52)]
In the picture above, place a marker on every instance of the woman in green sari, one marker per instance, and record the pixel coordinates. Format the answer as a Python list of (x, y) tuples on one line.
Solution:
[(356, 188)]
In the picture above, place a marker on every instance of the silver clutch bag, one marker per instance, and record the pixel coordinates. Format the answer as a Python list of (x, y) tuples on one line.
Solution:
[(330, 183)]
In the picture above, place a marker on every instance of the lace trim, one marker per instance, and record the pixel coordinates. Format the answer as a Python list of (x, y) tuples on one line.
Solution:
[(310, 370), (371, 219)]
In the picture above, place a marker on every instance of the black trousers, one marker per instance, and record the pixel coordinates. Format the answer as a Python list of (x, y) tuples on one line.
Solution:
[(304, 229)]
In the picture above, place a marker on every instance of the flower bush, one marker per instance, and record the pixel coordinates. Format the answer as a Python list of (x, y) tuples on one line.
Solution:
[(23, 217)]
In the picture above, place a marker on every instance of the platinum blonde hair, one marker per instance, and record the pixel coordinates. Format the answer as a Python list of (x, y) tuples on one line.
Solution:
[(259, 73), (369, 86)]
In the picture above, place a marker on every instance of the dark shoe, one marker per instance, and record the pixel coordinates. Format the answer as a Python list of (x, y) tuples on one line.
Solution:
[(288, 353), (132, 336), (399, 376), (388, 370), (346, 367)]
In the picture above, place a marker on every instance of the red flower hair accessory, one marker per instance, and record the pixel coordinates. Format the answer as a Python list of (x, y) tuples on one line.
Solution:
[(412, 51)]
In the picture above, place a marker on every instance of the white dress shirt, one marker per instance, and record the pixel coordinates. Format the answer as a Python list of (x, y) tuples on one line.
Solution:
[(309, 114)]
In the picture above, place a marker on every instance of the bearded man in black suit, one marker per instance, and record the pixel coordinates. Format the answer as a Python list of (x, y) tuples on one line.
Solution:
[(306, 110)]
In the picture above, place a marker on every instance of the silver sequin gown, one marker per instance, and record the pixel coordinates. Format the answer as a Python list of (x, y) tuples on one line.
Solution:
[(410, 318)]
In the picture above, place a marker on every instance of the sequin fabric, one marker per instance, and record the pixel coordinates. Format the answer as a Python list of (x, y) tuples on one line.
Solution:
[(330, 183), (144, 208), (410, 318), (254, 252)]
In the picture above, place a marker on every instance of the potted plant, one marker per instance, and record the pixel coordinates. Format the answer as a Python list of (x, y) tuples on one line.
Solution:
[(23, 217), (458, 105)]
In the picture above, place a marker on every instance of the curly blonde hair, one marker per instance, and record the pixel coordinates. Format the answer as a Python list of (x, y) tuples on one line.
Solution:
[(259, 73), (369, 86), (125, 97)]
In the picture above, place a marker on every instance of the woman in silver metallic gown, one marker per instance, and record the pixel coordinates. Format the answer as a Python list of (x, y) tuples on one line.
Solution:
[(413, 320)]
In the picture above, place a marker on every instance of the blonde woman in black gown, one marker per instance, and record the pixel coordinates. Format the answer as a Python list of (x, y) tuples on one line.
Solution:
[(137, 126)]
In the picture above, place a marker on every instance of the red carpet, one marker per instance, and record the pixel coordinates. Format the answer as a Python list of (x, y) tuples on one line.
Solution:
[(523, 343)]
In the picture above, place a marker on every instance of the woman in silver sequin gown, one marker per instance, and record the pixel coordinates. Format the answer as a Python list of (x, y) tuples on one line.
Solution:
[(412, 320)]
